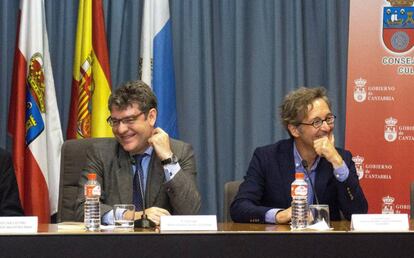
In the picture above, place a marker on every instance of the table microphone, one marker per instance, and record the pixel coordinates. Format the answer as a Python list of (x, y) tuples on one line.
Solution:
[(143, 222), (305, 165)]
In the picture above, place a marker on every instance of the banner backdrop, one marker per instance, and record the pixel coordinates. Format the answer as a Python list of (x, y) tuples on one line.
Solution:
[(380, 111)]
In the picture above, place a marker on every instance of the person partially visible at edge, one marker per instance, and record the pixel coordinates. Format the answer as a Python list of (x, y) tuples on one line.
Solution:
[(9, 192), (168, 165), (265, 197)]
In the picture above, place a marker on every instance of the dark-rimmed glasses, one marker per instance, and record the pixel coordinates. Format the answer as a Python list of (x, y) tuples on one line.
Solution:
[(330, 119), (129, 120)]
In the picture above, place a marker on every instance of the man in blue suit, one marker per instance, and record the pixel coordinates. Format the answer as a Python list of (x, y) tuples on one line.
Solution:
[(264, 196)]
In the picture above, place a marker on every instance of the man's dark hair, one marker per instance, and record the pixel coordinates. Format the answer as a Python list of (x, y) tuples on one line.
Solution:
[(133, 92), (295, 104)]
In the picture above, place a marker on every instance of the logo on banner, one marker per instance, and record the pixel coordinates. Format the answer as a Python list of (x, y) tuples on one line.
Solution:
[(359, 90), (376, 93), (372, 171), (387, 205), (398, 26), (359, 166), (390, 133)]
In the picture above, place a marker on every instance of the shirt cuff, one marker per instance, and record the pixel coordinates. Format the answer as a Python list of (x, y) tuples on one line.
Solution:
[(341, 173), (270, 216), (171, 170), (108, 218)]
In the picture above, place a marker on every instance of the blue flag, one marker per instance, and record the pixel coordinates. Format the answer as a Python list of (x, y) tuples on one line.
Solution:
[(157, 63)]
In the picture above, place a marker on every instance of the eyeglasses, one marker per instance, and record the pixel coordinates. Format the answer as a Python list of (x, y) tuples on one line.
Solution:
[(129, 120), (330, 119)]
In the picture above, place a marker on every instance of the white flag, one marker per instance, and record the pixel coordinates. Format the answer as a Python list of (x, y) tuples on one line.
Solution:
[(34, 122), (157, 63)]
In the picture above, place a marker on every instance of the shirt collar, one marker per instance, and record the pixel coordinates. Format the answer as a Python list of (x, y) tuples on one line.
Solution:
[(148, 152), (298, 160)]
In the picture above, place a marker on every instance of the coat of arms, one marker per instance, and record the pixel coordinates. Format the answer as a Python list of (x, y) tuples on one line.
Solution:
[(390, 132), (398, 25)]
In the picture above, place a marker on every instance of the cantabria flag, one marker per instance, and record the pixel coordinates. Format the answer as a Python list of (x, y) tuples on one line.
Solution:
[(156, 62), (34, 122)]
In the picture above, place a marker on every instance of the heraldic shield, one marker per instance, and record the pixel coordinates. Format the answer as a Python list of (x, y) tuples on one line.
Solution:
[(398, 28)]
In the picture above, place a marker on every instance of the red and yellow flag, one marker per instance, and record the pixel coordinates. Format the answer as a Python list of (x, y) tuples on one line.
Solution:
[(34, 122), (91, 83)]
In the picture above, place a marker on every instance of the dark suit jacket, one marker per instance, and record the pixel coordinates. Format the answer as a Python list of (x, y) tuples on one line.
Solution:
[(9, 192), (271, 173), (113, 167)]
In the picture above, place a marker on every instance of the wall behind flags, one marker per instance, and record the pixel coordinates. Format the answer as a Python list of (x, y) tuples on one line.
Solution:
[(234, 62)]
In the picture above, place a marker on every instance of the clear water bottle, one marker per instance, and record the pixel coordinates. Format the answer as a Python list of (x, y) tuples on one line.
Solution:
[(299, 191), (92, 213)]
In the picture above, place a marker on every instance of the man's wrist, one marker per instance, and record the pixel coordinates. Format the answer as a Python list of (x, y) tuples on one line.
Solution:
[(276, 217), (165, 155), (169, 161), (281, 217), (336, 161)]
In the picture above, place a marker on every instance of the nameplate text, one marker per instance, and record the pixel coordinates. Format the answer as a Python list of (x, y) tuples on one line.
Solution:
[(188, 223), (18, 225), (380, 222)]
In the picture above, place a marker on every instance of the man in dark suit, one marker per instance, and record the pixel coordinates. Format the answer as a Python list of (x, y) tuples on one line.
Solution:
[(168, 179), (9, 192), (264, 196)]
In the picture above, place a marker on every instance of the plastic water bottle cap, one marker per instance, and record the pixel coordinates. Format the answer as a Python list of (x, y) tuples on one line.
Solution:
[(299, 175), (91, 176)]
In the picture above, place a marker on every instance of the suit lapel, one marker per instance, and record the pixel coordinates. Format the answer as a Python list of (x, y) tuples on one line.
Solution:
[(323, 174), (155, 180), (123, 176), (287, 168)]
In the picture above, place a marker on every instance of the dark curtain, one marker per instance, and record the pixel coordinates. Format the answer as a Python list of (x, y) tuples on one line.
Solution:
[(234, 62)]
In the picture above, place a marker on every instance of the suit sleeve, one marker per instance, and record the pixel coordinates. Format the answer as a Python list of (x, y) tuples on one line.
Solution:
[(247, 207), (9, 192), (351, 198), (182, 189), (94, 164)]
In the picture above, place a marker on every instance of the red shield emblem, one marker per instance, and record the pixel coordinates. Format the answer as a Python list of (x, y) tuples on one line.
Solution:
[(398, 28)]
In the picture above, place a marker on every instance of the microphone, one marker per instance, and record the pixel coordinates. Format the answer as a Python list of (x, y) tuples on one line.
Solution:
[(305, 165), (143, 222), (132, 160)]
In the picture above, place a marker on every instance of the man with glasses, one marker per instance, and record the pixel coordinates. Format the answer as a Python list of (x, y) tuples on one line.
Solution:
[(142, 165), (264, 196)]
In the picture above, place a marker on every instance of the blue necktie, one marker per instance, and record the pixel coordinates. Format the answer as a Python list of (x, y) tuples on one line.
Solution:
[(138, 188)]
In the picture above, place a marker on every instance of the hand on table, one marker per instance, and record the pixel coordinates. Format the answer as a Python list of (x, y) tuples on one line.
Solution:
[(153, 213), (284, 216)]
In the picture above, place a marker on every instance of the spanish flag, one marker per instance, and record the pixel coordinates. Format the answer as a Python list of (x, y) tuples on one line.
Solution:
[(91, 84)]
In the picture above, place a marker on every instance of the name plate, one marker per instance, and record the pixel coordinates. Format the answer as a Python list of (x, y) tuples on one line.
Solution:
[(188, 223), (18, 225), (380, 222)]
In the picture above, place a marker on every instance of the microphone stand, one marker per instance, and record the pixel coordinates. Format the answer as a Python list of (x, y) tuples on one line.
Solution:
[(143, 222), (305, 166)]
